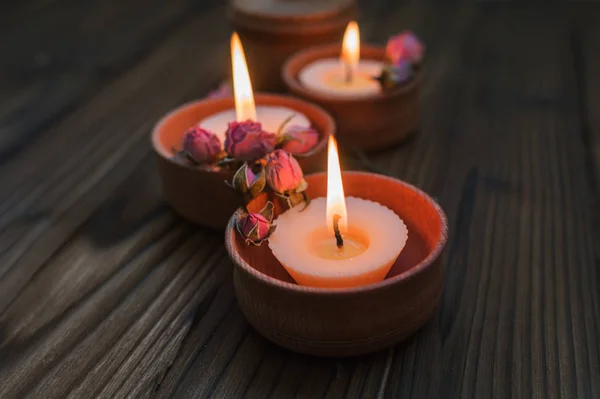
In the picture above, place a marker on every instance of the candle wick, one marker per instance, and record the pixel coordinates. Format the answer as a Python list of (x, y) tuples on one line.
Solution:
[(348, 70), (336, 229)]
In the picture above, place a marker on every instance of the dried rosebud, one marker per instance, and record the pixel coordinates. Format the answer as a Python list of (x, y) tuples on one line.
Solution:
[(201, 145), (404, 47), (247, 141), (299, 139), (284, 174), (246, 180), (256, 227)]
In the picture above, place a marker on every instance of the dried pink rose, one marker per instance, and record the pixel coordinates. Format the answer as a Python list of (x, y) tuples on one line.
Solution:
[(300, 140), (246, 180), (256, 227), (247, 141), (404, 47), (251, 177), (201, 145), (283, 172)]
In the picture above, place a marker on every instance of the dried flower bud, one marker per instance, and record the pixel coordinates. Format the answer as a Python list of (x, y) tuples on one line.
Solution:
[(201, 145), (283, 172), (256, 227), (300, 140), (247, 141), (404, 47), (246, 180)]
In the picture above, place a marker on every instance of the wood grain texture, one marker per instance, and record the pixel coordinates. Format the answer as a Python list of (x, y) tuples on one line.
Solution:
[(46, 72), (104, 292)]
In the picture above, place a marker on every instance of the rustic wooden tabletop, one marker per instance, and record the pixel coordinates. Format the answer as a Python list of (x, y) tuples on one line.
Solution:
[(105, 292)]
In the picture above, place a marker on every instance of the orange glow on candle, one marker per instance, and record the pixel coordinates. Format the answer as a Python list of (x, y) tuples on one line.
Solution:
[(336, 201), (242, 88), (351, 47)]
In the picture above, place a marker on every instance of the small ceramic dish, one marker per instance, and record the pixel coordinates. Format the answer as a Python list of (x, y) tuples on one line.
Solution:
[(202, 196), (346, 321), (368, 122)]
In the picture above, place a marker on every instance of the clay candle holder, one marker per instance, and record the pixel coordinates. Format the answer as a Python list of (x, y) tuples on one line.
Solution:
[(272, 30), (202, 196), (367, 122), (340, 322)]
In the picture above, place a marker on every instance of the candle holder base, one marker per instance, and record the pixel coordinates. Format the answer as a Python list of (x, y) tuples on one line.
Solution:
[(202, 196), (370, 122), (273, 30), (338, 322)]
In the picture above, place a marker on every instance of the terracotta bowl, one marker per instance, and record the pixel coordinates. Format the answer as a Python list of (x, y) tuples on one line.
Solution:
[(368, 123), (200, 196), (273, 30), (346, 321)]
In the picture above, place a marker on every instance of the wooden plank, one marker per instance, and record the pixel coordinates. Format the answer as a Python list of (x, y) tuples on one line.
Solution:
[(138, 303), (585, 34), (58, 69), (119, 336), (98, 279), (110, 148), (585, 39), (522, 102)]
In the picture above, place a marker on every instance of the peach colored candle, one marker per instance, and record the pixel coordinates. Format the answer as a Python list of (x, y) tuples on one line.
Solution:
[(338, 242), (348, 77)]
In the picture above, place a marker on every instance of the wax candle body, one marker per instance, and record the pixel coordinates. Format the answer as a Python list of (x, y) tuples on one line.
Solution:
[(328, 76), (271, 118), (308, 251)]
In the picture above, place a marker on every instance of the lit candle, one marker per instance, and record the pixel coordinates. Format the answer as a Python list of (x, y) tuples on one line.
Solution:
[(338, 242), (347, 77), (271, 117)]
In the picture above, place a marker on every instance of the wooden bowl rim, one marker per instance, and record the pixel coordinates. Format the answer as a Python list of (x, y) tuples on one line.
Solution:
[(222, 103), (367, 52), (339, 9), (419, 268)]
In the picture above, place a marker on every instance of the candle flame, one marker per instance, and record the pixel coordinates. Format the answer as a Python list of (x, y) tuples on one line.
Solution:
[(242, 88), (351, 46), (336, 201)]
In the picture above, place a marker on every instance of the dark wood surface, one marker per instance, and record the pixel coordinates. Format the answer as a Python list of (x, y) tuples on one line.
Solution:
[(104, 292)]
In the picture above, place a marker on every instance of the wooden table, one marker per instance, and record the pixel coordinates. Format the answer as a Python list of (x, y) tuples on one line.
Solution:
[(104, 292)]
